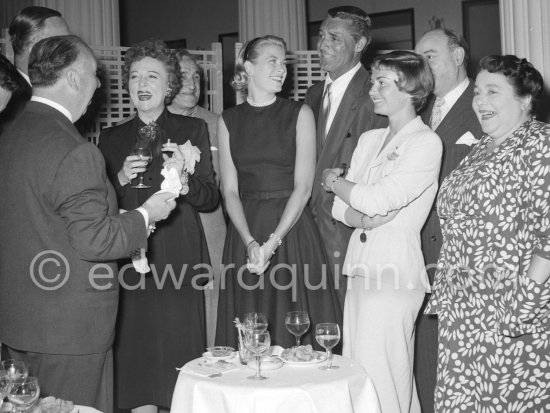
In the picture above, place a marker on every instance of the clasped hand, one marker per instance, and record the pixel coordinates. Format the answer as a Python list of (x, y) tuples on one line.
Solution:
[(132, 166), (259, 257), (329, 176), (177, 159)]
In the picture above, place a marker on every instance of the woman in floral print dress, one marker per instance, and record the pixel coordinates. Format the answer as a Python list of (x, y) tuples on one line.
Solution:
[(492, 292)]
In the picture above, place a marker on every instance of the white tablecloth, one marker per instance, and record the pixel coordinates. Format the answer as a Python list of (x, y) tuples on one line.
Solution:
[(304, 389)]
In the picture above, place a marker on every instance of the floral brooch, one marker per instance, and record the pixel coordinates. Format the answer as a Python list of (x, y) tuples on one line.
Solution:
[(393, 155)]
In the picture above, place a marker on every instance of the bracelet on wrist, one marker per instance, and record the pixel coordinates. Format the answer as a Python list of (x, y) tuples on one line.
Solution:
[(276, 238), (333, 183), (250, 243)]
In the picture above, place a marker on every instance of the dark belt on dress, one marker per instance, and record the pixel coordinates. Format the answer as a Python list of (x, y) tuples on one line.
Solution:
[(264, 196)]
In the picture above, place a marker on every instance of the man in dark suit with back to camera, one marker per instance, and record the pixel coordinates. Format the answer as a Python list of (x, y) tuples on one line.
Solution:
[(62, 233), (449, 113), (343, 111), (29, 26)]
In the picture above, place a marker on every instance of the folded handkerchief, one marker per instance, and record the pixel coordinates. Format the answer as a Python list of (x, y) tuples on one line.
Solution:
[(191, 155), (172, 184), (467, 139)]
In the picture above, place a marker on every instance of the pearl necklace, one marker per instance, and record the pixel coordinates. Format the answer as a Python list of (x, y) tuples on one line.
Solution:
[(259, 105)]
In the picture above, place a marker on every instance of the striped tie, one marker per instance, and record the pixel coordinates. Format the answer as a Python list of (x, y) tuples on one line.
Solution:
[(326, 107), (437, 115)]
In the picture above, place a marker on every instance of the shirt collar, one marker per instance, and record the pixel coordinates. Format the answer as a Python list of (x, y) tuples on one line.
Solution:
[(343, 81), (54, 105), (451, 97), (25, 76)]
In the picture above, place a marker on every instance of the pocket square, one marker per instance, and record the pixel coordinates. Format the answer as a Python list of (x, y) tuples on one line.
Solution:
[(467, 139)]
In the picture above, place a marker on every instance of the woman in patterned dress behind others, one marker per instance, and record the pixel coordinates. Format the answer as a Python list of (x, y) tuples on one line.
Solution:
[(491, 291), (267, 160)]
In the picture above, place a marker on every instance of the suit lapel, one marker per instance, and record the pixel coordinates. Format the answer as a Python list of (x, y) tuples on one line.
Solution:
[(463, 102), (328, 148)]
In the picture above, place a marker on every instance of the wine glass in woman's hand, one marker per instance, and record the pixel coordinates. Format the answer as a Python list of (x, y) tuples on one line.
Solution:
[(144, 154)]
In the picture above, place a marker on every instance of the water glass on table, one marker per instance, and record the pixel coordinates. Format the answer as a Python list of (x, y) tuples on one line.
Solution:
[(328, 335), (257, 344), (255, 322), (15, 369), (24, 393), (297, 323)]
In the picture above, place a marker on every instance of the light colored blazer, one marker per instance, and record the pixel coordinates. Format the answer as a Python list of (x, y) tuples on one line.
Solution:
[(401, 176)]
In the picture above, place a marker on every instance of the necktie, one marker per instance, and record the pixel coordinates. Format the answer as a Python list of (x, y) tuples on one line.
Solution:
[(437, 114), (326, 107)]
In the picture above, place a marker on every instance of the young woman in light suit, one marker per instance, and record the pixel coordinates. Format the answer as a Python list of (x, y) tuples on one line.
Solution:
[(386, 196)]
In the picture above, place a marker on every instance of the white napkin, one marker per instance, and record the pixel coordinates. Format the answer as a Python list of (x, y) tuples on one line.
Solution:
[(172, 184), (191, 155), (467, 139)]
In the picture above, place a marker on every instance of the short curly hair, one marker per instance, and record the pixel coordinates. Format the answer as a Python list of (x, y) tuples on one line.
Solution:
[(158, 50), (415, 76), (250, 52), (520, 73)]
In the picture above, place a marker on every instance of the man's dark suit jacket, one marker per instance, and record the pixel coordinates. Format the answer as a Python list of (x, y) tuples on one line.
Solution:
[(56, 200), (460, 119), (355, 115), (17, 102)]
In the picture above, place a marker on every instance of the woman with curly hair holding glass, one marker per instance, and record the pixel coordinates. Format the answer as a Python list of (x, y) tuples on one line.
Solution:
[(491, 291), (161, 322)]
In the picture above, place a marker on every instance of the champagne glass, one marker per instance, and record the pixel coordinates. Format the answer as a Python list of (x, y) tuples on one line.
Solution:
[(145, 154), (257, 344), (297, 323), (328, 335), (24, 393), (16, 369), (255, 322)]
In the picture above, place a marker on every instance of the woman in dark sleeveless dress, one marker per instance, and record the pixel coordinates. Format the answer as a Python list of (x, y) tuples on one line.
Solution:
[(273, 259)]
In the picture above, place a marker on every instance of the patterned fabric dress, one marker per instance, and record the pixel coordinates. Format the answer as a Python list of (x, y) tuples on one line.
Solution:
[(494, 324)]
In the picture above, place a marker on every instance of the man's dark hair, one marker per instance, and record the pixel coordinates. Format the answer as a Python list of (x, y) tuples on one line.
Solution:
[(359, 21), (27, 22), (50, 56)]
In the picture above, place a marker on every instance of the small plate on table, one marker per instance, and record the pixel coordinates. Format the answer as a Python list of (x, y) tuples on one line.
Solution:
[(319, 357), (210, 357), (267, 363)]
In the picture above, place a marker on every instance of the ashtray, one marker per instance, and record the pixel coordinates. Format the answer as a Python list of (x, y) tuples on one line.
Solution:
[(220, 351)]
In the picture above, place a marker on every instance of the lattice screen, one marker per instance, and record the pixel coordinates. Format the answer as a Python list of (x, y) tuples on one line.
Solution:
[(119, 105)]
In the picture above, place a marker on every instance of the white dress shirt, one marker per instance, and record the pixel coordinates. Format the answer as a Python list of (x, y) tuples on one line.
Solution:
[(337, 91), (450, 98)]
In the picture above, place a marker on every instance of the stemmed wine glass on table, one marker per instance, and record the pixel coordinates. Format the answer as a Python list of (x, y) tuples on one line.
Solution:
[(327, 335), (24, 393), (297, 323), (15, 369), (257, 344), (255, 322)]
